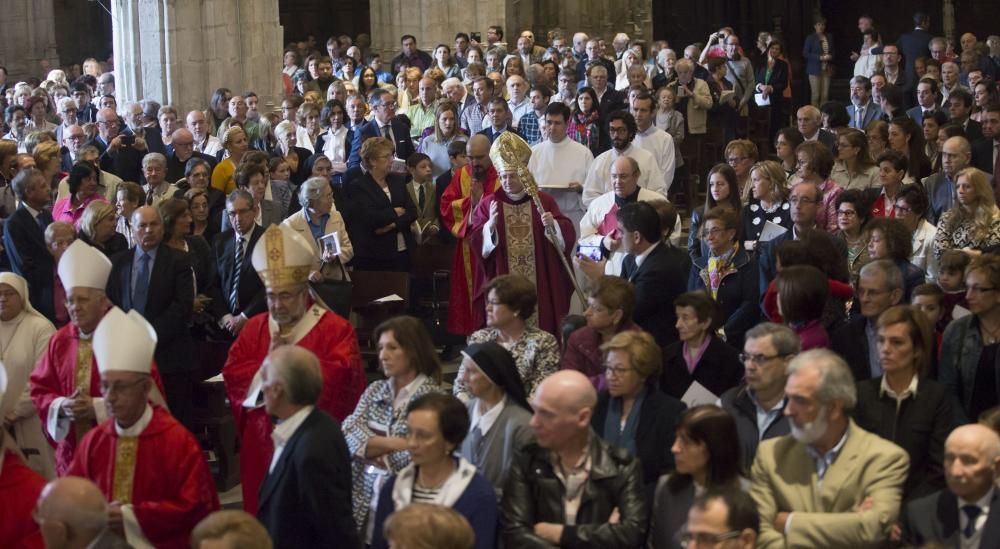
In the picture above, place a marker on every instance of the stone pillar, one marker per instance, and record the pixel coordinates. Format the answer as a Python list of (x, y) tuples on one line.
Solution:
[(28, 40), (948, 20), (178, 52)]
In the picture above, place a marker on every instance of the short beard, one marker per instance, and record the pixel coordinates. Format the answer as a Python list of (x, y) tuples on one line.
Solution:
[(813, 430)]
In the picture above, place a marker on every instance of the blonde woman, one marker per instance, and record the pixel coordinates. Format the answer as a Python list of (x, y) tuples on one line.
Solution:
[(972, 225), (234, 141), (97, 228), (768, 202)]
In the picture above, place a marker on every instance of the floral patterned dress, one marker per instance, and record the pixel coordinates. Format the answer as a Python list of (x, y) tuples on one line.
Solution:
[(536, 354)]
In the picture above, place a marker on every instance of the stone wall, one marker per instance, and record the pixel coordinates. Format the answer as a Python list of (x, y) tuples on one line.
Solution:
[(27, 38)]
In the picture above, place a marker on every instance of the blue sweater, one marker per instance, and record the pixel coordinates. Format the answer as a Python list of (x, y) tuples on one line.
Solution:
[(478, 504)]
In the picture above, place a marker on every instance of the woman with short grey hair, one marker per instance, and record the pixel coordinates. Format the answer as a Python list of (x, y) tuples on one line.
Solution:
[(323, 227)]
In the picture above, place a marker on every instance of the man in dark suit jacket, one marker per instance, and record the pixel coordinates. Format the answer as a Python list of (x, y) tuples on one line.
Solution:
[(165, 299), (594, 56), (383, 105), (121, 153), (305, 499), (915, 43), (809, 120), (499, 113), (955, 516), (232, 309), (24, 239), (880, 286), (656, 269), (180, 150)]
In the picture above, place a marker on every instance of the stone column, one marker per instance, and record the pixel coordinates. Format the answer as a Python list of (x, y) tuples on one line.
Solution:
[(178, 52), (28, 40), (433, 22), (948, 20)]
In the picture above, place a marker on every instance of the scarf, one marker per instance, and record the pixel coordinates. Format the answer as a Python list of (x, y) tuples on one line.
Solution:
[(717, 265), (584, 128), (623, 437), (450, 491)]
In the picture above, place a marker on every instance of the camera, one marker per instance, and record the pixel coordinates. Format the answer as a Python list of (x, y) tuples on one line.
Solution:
[(478, 37), (128, 140)]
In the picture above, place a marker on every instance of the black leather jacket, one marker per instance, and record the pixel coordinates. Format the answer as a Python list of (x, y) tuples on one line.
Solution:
[(533, 494)]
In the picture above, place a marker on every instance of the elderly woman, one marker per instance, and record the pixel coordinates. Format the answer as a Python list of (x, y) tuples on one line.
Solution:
[(382, 212), (699, 356), (973, 223), (434, 142), (769, 191), (203, 224), (320, 224), (308, 118), (911, 208), (499, 411), (97, 228), (26, 333), (903, 405), (815, 165), (633, 413), (177, 235), (853, 214), (335, 142), (742, 155), (707, 456), (376, 432), (235, 143), (729, 274), (510, 303), (288, 149), (891, 239), (854, 167), (439, 424), (167, 117), (609, 312), (82, 191), (722, 192)]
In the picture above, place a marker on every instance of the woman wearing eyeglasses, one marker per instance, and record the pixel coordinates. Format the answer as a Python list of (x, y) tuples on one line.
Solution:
[(633, 413), (904, 406)]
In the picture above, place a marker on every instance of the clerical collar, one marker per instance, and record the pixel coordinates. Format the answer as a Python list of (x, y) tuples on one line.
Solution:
[(139, 426), (517, 196), (630, 199)]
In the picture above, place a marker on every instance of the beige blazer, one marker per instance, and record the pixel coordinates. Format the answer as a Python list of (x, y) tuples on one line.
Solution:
[(783, 478), (331, 271), (697, 107)]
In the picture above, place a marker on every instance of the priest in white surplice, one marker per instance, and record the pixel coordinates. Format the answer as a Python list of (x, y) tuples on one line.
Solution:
[(659, 143), (622, 129), (560, 164)]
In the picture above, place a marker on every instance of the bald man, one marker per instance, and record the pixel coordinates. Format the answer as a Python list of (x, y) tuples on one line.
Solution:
[(72, 514), (421, 113), (538, 511), (179, 151), (956, 154), (810, 123), (966, 514)]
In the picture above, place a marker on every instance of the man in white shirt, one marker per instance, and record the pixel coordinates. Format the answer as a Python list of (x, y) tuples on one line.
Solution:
[(622, 128), (519, 104), (560, 164), (204, 141), (966, 514), (658, 142)]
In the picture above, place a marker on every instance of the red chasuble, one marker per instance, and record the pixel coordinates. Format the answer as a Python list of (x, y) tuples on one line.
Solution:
[(334, 342), (456, 207), (19, 489), (523, 249), (56, 376), (171, 489)]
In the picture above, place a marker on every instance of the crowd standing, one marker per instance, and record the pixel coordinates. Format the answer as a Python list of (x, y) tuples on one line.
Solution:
[(818, 367)]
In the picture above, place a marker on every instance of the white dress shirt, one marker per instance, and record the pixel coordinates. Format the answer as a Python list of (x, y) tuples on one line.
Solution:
[(283, 432)]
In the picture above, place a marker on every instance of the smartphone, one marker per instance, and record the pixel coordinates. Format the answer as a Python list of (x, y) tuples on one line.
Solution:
[(591, 252), (128, 140), (476, 36)]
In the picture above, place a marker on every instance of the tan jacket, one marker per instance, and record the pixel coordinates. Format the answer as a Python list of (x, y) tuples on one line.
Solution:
[(331, 271), (697, 107), (783, 478)]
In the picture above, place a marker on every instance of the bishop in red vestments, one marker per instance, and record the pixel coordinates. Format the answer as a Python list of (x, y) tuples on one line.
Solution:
[(19, 489), (292, 319), (65, 384), (149, 467), (510, 234), (468, 187)]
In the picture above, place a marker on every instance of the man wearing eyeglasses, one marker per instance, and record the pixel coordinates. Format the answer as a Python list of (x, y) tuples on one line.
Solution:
[(880, 286), (758, 404), (383, 124), (723, 519)]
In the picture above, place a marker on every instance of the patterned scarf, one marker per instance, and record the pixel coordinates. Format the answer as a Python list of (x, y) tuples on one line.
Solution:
[(717, 267)]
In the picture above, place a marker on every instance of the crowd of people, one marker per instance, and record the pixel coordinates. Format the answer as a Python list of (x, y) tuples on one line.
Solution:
[(832, 311)]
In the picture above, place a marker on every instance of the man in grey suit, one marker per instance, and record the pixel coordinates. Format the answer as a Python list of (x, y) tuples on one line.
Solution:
[(956, 153), (862, 110), (71, 512), (966, 514)]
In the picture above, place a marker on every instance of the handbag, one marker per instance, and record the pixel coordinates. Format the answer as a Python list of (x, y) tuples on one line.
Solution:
[(335, 294)]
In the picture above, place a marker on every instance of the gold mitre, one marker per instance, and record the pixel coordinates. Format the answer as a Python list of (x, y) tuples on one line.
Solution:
[(282, 257), (510, 152)]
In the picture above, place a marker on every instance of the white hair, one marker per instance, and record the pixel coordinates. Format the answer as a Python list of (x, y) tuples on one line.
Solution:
[(67, 102), (621, 37), (283, 127), (154, 158)]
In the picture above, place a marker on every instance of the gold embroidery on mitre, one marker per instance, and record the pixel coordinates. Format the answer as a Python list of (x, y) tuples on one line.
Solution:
[(126, 451), (510, 152), (278, 274), (81, 381)]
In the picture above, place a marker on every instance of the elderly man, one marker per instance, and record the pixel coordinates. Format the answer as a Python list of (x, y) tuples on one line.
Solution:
[(67, 109), (560, 164), (758, 404), (956, 154), (829, 483), (383, 124), (950, 81), (283, 260), (421, 113), (608, 98), (966, 514), (230, 529), (71, 513), (135, 119), (155, 280), (150, 469), (622, 128), (880, 286), (73, 139), (157, 187), (519, 103), (121, 153), (24, 238), (180, 150), (456, 92), (657, 142), (469, 185), (543, 499), (514, 237), (204, 141), (19, 488), (238, 292), (810, 123), (306, 496), (65, 385), (862, 110)]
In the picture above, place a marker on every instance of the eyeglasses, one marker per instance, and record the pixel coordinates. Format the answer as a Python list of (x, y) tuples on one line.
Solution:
[(614, 371), (758, 359), (707, 540), (847, 213)]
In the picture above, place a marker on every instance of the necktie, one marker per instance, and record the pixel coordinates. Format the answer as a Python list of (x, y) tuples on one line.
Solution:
[(860, 113), (44, 219), (421, 198), (927, 115), (234, 289), (972, 512), (385, 132), (141, 284)]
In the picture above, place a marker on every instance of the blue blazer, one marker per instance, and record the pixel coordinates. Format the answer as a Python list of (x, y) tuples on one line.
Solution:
[(917, 114), (812, 50), (400, 132)]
